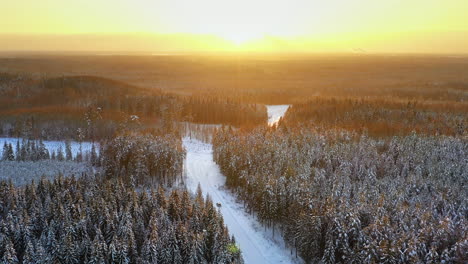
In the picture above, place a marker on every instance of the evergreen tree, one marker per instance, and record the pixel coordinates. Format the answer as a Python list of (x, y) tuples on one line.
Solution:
[(24, 151), (151, 247), (60, 156), (28, 257), (68, 151), (10, 154), (94, 157), (18, 151), (43, 152), (98, 249), (79, 155), (9, 254)]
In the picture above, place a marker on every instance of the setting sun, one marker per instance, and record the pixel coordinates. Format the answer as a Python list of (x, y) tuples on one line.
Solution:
[(239, 38), (218, 25)]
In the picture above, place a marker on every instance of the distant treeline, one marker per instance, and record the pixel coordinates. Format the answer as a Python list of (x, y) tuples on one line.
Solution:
[(87, 220), (94, 108), (271, 78), (35, 150), (381, 117)]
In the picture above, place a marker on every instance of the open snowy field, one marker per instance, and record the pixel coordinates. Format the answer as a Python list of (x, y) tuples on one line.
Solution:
[(23, 172), (258, 245), (52, 145), (275, 112)]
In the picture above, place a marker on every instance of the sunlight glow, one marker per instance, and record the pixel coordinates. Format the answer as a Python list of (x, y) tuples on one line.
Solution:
[(257, 24), (240, 38)]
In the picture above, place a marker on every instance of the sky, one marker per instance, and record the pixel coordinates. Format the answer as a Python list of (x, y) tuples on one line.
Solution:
[(434, 26)]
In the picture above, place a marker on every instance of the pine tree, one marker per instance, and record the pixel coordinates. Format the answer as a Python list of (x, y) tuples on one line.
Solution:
[(161, 198), (60, 156), (18, 151), (10, 154), (79, 156), (33, 156), (174, 206), (24, 151), (43, 152), (28, 257), (98, 249), (40, 256), (68, 252), (9, 254), (68, 151), (151, 247)]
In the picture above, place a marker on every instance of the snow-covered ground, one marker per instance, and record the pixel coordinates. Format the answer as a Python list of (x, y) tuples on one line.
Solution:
[(275, 112), (24, 172), (54, 145), (257, 245)]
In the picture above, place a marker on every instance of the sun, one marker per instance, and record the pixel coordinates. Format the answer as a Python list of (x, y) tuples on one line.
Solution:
[(239, 38)]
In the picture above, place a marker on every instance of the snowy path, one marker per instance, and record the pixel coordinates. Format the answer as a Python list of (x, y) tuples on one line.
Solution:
[(275, 112), (257, 246)]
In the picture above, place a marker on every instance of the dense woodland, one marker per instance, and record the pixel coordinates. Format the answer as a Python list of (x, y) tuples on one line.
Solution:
[(382, 117), (87, 221), (117, 218), (341, 197), (144, 159), (94, 108)]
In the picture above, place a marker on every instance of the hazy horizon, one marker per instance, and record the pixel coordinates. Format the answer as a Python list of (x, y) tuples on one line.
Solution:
[(297, 26), (178, 43)]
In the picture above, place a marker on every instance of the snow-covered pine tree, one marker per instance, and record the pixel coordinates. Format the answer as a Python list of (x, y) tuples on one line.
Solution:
[(79, 155), (60, 156), (151, 245), (9, 253), (18, 150), (10, 154), (68, 151)]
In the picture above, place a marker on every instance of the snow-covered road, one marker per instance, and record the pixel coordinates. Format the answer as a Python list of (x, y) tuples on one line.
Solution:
[(275, 112), (257, 245)]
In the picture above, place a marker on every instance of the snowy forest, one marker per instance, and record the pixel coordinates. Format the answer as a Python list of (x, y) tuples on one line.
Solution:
[(91, 221), (233, 159), (339, 196)]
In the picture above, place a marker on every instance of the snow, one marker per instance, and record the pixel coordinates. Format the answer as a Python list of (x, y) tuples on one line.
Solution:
[(21, 173), (54, 145), (257, 244), (275, 112)]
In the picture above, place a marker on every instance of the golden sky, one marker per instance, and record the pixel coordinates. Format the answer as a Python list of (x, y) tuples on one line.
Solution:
[(305, 25)]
